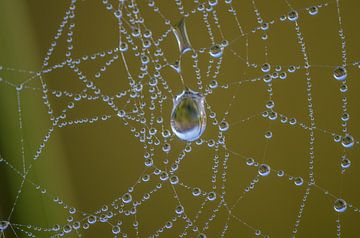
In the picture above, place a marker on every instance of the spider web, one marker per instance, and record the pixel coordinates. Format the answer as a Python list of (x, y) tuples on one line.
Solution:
[(262, 104)]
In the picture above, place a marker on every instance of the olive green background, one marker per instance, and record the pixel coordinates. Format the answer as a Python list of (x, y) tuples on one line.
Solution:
[(92, 164)]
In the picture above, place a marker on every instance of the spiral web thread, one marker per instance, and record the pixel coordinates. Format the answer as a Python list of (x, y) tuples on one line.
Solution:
[(148, 125)]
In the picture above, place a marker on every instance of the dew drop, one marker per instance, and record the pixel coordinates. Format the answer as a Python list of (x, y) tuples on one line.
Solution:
[(264, 170), (127, 198), (211, 196), (313, 10), (224, 126), (347, 141), (3, 225), (345, 163), (340, 73), (116, 230), (179, 210), (216, 51), (340, 205), (298, 181), (188, 116), (293, 15), (182, 37)]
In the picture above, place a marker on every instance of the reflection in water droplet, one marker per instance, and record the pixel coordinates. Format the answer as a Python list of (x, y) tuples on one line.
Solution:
[(188, 116), (182, 38)]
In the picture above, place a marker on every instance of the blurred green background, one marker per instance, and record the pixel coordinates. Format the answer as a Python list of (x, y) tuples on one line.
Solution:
[(90, 165)]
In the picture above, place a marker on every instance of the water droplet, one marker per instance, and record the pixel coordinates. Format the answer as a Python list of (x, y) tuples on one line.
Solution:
[(201, 235), (179, 210), (181, 35), (174, 179), (264, 170), (265, 67), (213, 2), (67, 228), (216, 51), (340, 205), (211, 196), (340, 73), (313, 10), (188, 116), (293, 15), (116, 230), (196, 192), (298, 181), (268, 135), (224, 126), (347, 141), (270, 104), (280, 173), (123, 47), (127, 198), (345, 163), (250, 161), (3, 225), (92, 219)]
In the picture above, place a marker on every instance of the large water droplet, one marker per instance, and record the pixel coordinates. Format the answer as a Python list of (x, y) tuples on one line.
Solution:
[(188, 116), (182, 38)]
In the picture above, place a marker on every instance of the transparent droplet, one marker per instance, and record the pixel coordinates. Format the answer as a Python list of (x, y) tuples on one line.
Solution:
[(216, 51), (123, 46), (3, 225), (298, 181), (196, 192), (347, 141), (345, 163), (340, 73), (313, 10), (211, 196), (116, 230), (250, 161), (264, 170), (224, 126), (268, 135), (280, 173), (182, 38), (213, 2), (188, 116), (174, 179), (293, 15), (67, 228), (270, 104), (201, 235), (92, 219), (179, 209), (340, 205), (127, 198), (345, 117), (265, 67)]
